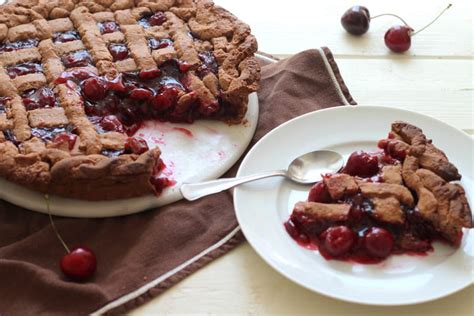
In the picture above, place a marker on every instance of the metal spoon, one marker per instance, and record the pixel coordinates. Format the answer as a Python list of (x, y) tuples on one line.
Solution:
[(305, 169)]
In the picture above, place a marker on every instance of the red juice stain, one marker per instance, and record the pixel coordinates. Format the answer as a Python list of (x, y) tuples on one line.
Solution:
[(185, 131)]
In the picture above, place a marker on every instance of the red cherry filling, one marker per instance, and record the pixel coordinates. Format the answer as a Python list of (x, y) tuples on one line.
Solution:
[(136, 145), (154, 43), (361, 164), (157, 19), (112, 124), (48, 134), (24, 69), (319, 193), (64, 138), (378, 242), (79, 264), (64, 37), (79, 58), (108, 27), (141, 94), (338, 240), (3, 103), (39, 98), (94, 89), (118, 51), (9, 47), (149, 74), (392, 149), (209, 64)]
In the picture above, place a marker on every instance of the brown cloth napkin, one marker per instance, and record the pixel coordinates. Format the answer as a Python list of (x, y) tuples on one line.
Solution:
[(139, 256)]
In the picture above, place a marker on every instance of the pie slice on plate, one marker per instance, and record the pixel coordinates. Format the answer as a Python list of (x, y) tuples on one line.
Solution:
[(396, 200)]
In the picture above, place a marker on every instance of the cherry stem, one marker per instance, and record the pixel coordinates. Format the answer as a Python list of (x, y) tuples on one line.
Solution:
[(48, 207), (390, 14), (434, 20)]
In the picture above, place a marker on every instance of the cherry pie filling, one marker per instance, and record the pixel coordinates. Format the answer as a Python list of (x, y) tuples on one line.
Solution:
[(361, 238), (124, 103)]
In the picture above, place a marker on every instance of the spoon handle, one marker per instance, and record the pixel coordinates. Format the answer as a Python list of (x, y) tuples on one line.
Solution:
[(196, 191)]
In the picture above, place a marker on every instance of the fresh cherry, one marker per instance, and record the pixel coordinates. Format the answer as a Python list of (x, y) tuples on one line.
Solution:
[(319, 193), (338, 240), (136, 145), (356, 20), (361, 164), (398, 38), (378, 242), (94, 89), (79, 264)]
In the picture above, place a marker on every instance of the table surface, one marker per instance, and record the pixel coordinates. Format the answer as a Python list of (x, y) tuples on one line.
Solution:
[(433, 78)]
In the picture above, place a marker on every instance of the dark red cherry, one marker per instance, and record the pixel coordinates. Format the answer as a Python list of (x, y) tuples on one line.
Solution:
[(319, 193), (356, 20), (166, 99), (361, 164), (160, 183), (338, 240), (108, 27), (118, 51), (378, 242), (79, 264), (136, 145), (157, 19), (141, 94), (398, 38), (94, 89), (112, 124), (149, 74)]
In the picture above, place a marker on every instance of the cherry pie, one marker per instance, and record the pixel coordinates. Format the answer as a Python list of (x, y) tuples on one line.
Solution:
[(78, 77), (396, 200)]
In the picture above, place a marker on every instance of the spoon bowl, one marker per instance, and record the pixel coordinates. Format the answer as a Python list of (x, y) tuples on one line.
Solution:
[(309, 167)]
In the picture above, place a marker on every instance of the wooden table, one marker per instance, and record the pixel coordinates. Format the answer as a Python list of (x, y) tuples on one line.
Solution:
[(433, 78)]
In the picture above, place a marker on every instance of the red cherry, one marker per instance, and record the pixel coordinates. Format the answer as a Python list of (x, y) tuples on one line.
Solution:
[(338, 240), (160, 183), (207, 109), (112, 124), (108, 27), (79, 264), (157, 19), (94, 89), (378, 242), (118, 51), (149, 74), (356, 20), (62, 138), (136, 145), (361, 164), (165, 99), (141, 94), (398, 38), (46, 97), (319, 193)]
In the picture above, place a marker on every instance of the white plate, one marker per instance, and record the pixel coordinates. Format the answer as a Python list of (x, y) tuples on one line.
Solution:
[(192, 152), (263, 206)]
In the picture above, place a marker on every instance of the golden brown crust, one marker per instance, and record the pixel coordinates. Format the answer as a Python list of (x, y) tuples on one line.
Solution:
[(82, 171)]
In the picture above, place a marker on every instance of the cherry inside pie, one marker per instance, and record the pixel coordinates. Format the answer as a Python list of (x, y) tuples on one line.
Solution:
[(78, 78), (395, 200)]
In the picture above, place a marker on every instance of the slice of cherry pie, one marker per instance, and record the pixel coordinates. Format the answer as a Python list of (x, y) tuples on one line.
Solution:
[(78, 77), (395, 200)]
